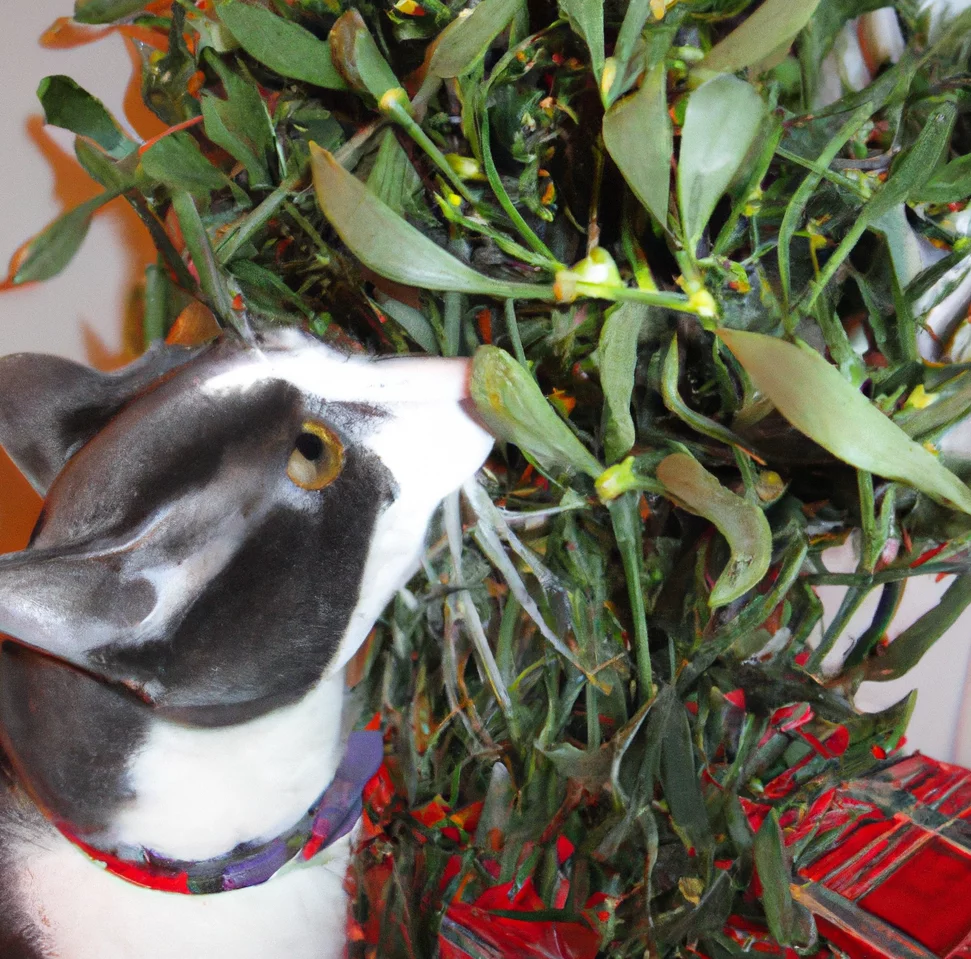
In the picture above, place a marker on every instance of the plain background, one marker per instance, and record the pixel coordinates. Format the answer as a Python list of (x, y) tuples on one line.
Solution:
[(81, 314)]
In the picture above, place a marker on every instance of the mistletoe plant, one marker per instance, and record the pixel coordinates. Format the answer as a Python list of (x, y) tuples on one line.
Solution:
[(697, 298)]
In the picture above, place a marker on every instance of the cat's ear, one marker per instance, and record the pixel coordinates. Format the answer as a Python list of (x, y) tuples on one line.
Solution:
[(50, 407)]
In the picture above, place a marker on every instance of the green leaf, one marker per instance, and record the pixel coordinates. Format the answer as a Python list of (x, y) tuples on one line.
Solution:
[(281, 45), (638, 136), (907, 650), (587, 19), (358, 59), (393, 248), (51, 250), (177, 162), (412, 321), (907, 178), (616, 68), (618, 359), (240, 124), (393, 179), (514, 409), (102, 169), (106, 11), (722, 120), (813, 396), (789, 923), (464, 42), (211, 278), (742, 524), (71, 107), (772, 26), (679, 777), (951, 184)]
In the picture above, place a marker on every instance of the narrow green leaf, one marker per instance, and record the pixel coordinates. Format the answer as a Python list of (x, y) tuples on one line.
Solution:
[(71, 107), (487, 537), (721, 122), (907, 650), (789, 923), (793, 215), (393, 179), (618, 359), (177, 162), (741, 523), (772, 26), (627, 39), (211, 278), (52, 249), (515, 410), (412, 321), (587, 19), (629, 533), (281, 45), (391, 246), (464, 42), (106, 11), (638, 136), (679, 777), (951, 184), (813, 396), (157, 307), (670, 374)]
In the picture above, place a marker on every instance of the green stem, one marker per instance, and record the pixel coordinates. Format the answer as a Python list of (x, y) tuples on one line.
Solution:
[(512, 328), (492, 174), (852, 601), (397, 112), (807, 188), (235, 241)]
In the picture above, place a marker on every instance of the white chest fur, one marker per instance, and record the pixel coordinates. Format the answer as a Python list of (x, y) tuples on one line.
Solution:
[(198, 793)]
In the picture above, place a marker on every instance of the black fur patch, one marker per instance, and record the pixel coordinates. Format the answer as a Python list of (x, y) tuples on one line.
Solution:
[(69, 736)]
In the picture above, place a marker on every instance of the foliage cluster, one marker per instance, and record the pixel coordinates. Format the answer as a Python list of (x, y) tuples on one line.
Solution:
[(698, 305)]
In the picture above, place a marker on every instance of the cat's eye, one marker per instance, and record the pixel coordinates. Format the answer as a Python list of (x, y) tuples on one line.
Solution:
[(317, 458)]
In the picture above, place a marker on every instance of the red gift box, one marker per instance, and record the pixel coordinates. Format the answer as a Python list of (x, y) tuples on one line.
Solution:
[(895, 879)]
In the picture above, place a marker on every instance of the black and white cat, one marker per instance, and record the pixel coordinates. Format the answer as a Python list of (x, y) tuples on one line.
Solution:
[(221, 528)]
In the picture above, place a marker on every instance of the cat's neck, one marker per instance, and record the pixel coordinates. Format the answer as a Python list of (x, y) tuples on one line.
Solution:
[(197, 793)]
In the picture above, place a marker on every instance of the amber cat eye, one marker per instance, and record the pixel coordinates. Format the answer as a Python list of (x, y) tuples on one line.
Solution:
[(317, 458)]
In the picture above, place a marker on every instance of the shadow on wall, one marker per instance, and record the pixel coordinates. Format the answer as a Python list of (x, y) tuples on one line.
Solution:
[(19, 507), (72, 186)]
